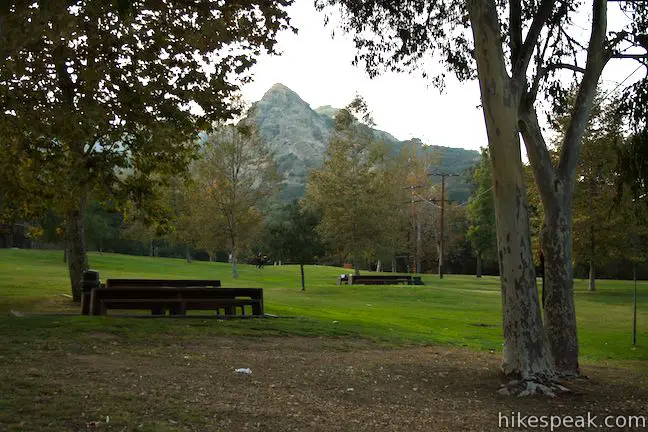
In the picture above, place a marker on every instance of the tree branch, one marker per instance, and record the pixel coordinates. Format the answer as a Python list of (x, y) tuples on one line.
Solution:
[(537, 152), (631, 56), (526, 52), (555, 66), (596, 60), (515, 23)]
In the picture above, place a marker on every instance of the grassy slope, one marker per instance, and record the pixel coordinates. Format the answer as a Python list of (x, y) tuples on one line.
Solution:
[(458, 310)]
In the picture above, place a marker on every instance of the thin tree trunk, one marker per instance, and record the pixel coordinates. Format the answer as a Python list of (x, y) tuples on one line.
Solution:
[(65, 253), (77, 258), (234, 269), (188, 254), (526, 353), (592, 276), (151, 248), (479, 265), (301, 268), (393, 264), (592, 270)]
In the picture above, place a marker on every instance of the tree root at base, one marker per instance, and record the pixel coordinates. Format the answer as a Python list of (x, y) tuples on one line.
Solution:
[(522, 388)]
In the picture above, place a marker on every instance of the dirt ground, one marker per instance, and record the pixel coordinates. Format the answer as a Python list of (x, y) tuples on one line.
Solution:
[(296, 384)]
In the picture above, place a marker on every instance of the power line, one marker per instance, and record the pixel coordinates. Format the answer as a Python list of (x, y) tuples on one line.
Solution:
[(624, 80)]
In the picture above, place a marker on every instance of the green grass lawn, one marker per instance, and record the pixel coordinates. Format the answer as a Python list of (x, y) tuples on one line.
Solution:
[(459, 310)]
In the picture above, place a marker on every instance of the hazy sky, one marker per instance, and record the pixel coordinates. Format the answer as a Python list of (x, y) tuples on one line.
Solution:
[(319, 69)]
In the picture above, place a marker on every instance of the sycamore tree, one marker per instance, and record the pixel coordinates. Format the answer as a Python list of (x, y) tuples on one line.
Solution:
[(481, 213), (238, 176), (518, 50), (353, 190), (93, 89)]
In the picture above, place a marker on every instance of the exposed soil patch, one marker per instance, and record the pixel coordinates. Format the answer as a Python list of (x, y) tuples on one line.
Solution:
[(297, 384)]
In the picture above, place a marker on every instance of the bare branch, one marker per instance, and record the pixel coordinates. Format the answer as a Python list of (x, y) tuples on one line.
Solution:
[(630, 56), (522, 64), (596, 60), (515, 23), (533, 92), (543, 72), (556, 66)]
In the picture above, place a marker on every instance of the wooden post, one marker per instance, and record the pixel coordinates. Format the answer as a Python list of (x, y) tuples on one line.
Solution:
[(442, 217), (634, 317)]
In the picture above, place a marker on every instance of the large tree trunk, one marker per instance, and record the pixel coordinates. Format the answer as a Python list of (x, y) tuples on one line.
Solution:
[(556, 189), (526, 353), (479, 265), (77, 258), (559, 310)]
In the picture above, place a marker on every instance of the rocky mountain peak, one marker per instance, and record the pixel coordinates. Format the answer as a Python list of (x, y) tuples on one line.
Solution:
[(298, 137)]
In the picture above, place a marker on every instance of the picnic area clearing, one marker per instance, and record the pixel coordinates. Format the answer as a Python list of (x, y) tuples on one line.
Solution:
[(348, 358)]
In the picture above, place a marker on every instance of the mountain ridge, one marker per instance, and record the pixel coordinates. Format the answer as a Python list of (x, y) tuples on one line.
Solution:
[(298, 137)]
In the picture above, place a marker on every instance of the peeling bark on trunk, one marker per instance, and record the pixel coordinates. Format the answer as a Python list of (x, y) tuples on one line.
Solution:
[(526, 353), (559, 310), (592, 277), (479, 265), (556, 191), (77, 259)]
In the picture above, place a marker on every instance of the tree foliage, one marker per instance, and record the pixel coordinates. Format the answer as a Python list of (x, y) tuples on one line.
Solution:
[(293, 236), (352, 189), (236, 176), (107, 97), (481, 212)]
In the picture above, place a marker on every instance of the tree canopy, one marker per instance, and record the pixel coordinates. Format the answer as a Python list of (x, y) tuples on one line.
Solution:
[(352, 189), (481, 212), (108, 97)]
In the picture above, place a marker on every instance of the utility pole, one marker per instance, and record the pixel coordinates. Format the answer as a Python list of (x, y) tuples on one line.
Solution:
[(443, 200), (416, 228)]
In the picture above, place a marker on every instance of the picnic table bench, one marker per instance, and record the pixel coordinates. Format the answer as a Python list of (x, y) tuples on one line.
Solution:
[(379, 279), (175, 296)]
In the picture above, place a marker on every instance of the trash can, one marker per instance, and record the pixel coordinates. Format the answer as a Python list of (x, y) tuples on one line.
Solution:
[(90, 281)]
